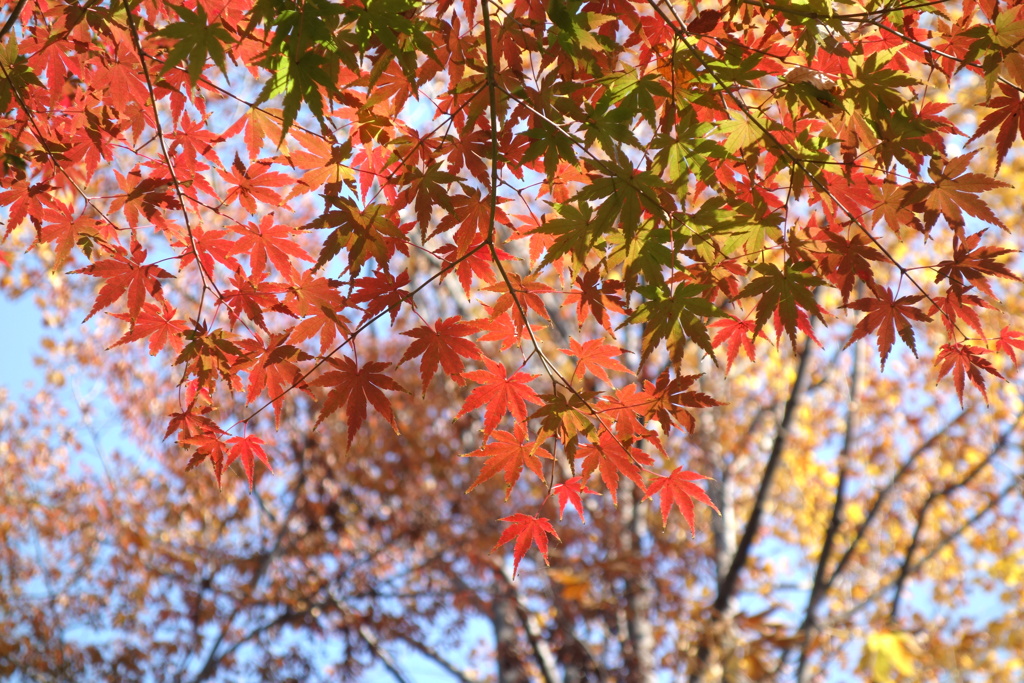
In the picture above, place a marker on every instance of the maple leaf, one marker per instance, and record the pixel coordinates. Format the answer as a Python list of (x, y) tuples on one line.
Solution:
[(594, 356), (1008, 115), (1008, 341), (957, 304), (248, 450), (509, 453), (195, 40), (26, 200), (566, 416), (704, 22), (208, 445), (596, 297), (626, 406), (157, 323), (965, 362), (679, 490), (784, 292), (844, 261), (670, 398), (121, 276), (381, 292), (504, 330), (953, 193), (526, 530), (267, 241), (444, 344), (354, 386), (522, 296), (62, 228), (675, 319), (611, 459), (974, 264), (500, 393), (571, 491), (253, 183), (474, 261), (251, 296), (271, 367), (735, 334), (886, 316)]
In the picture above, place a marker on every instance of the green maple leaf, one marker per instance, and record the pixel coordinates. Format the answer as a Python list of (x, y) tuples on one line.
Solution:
[(196, 40), (675, 319), (783, 291)]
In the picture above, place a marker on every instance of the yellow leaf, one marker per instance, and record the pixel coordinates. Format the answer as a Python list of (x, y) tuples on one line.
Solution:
[(886, 653), (742, 130)]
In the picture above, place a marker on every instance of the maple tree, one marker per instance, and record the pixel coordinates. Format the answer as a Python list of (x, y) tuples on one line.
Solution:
[(569, 218)]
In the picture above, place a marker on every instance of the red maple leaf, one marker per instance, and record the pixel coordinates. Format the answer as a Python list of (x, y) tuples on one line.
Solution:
[(62, 228), (500, 393), (126, 275), (1008, 116), (954, 193), (886, 316), (503, 330), (527, 530), (354, 386), (844, 261), (250, 184), (974, 264), (208, 445), (596, 297), (1008, 341), (271, 367), (509, 453), (959, 305), (626, 406), (571, 491), (26, 200), (594, 356), (442, 344), (248, 449), (251, 296), (381, 292), (679, 490), (965, 361), (157, 323), (671, 398), (267, 241), (523, 295), (735, 334), (473, 261)]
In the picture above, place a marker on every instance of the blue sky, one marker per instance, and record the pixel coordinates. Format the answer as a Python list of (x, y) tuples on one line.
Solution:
[(22, 330)]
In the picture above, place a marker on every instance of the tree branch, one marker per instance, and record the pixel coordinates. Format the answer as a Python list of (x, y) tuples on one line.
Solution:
[(727, 587), (818, 587), (12, 20), (883, 495)]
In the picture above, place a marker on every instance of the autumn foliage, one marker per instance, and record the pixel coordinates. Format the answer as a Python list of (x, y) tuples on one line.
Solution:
[(577, 218)]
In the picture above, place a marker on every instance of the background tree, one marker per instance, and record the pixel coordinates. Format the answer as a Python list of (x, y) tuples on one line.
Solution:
[(520, 192)]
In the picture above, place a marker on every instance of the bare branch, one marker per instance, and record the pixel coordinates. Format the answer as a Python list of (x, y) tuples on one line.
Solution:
[(818, 589)]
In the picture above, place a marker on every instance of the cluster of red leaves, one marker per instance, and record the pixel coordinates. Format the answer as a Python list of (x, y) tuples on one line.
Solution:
[(660, 232)]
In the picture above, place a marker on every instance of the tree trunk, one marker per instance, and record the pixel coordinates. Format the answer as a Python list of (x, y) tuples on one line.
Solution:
[(638, 650)]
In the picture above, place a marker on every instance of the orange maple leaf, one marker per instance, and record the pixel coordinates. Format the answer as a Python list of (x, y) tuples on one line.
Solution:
[(679, 490), (509, 453), (500, 393), (527, 530)]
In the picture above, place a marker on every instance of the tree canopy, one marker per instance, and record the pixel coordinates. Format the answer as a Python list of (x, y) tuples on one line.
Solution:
[(579, 270)]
